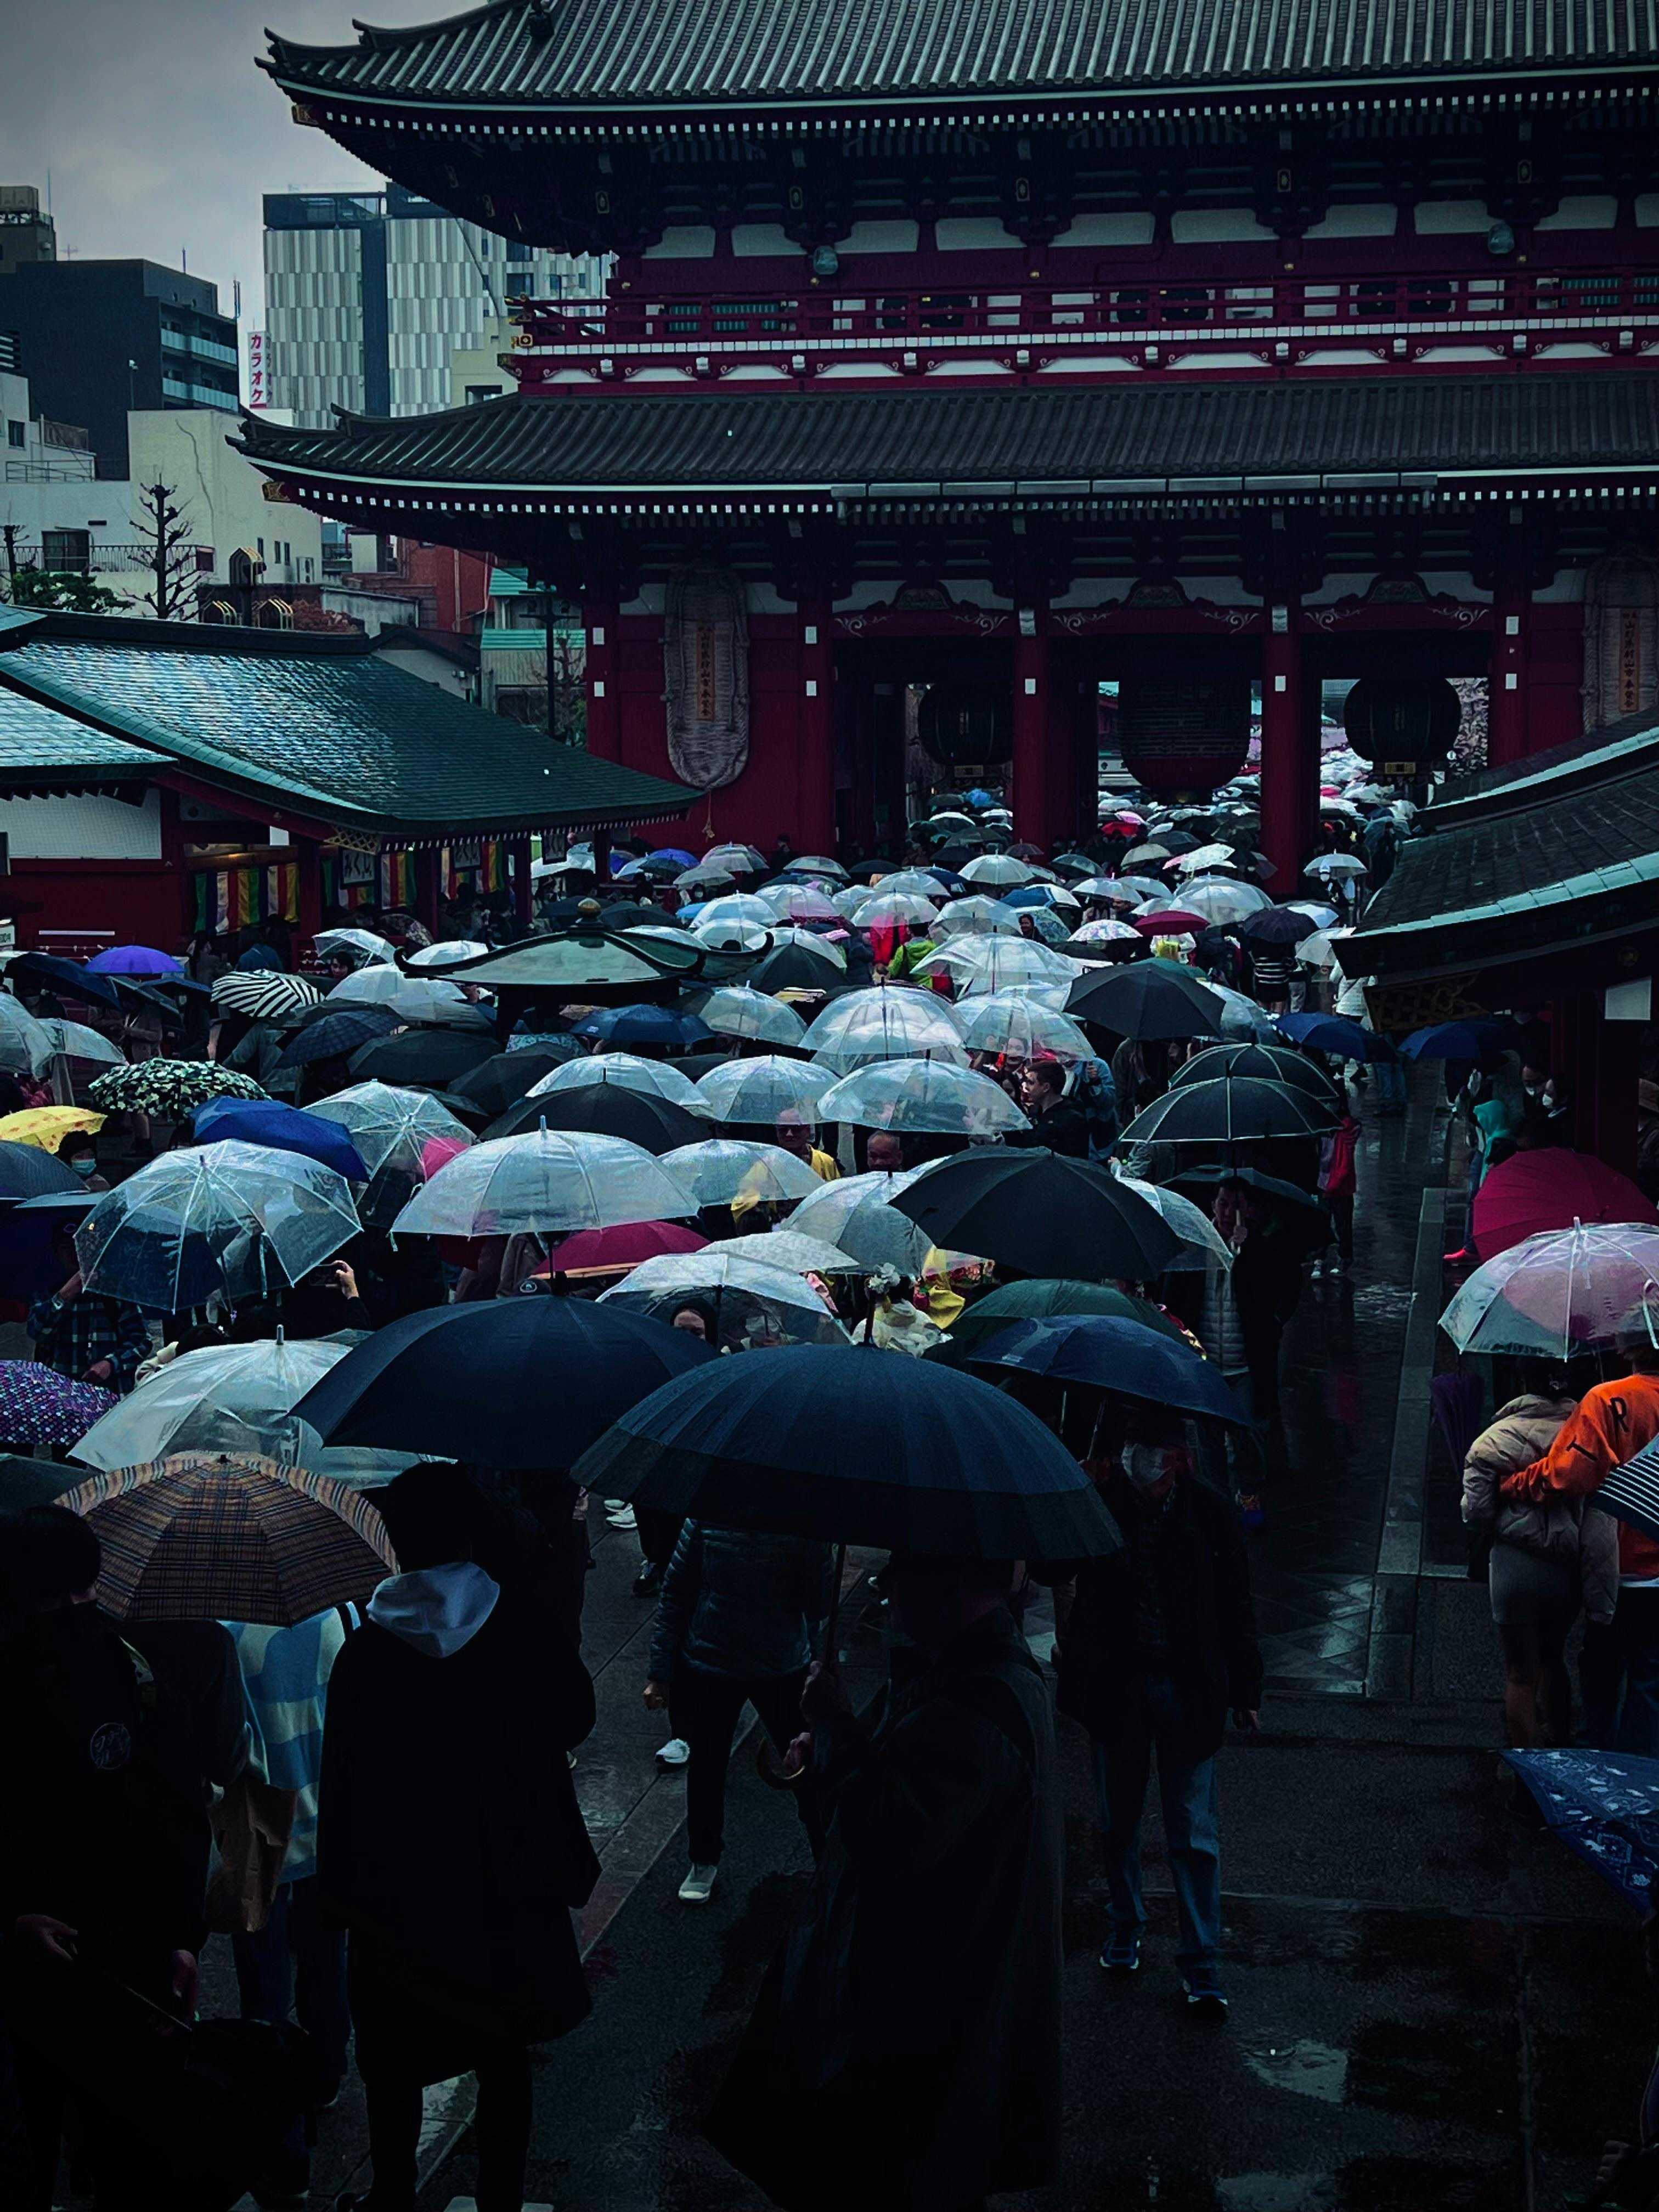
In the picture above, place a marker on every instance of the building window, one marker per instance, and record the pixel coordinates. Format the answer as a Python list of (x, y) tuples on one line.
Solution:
[(476, 393), (15, 433), (205, 560), (66, 552)]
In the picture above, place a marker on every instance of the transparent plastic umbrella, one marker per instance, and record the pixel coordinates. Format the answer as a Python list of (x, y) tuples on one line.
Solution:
[(412, 998), (545, 1179), (1105, 931), (232, 1398), (1205, 856), (885, 1022), (1221, 902), (242, 1219), (818, 945), (980, 965), (817, 864), (995, 868), (795, 901), (924, 1097), (1011, 1023), (725, 1167), (363, 942), (1241, 1017), (894, 907), (390, 1128), (856, 1215), (801, 1254), (1327, 917), (847, 902), (744, 1013), (446, 953), (25, 1046), (744, 1293), (741, 907), (755, 1090), (629, 1072), (1202, 1239), (1563, 1292), (1323, 949), (917, 882), (731, 936), (976, 917), (76, 1041), (736, 860)]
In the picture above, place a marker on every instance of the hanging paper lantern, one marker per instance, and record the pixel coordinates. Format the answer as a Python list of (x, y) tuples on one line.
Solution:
[(962, 725), (1184, 733), (1400, 718)]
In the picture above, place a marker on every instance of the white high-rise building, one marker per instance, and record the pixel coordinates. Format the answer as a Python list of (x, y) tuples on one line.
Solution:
[(369, 293)]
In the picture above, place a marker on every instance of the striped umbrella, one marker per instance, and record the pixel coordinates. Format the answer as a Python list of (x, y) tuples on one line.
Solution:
[(38, 1406), (195, 1537), (1631, 1492), (261, 995)]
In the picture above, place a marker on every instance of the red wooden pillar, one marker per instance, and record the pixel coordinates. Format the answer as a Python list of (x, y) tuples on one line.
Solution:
[(600, 607), (518, 854), (1506, 683), (815, 801), (1290, 753), (1034, 772), (309, 859), (427, 859)]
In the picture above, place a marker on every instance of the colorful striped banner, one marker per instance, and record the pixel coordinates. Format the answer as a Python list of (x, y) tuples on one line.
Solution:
[(230, 898)]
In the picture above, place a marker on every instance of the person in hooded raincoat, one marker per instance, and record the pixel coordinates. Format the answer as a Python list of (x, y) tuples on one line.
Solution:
[(904, 2054)]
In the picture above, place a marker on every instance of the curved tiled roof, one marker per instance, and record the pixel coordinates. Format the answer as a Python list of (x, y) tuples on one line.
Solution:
[(549, 54), (944, 444)]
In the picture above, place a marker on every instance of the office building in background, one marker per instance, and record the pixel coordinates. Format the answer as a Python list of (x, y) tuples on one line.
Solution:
[(369, 295), (26, 231)]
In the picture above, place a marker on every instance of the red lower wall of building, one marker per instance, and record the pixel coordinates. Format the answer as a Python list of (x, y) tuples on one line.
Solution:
[(138, 901)]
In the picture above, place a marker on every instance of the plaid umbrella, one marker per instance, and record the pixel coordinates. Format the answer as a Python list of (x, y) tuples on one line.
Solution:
[(263, 996), (38, 1406), (168, 1086), (200, 1538)]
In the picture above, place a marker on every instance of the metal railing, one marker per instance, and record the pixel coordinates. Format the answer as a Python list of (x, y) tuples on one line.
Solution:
[(97, 561), (1413, 311)]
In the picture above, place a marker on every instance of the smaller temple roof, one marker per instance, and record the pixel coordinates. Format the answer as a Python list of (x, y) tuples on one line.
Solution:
[(319, 725), (1204, 440), (1600, 757), (44, 752), (868, 60)]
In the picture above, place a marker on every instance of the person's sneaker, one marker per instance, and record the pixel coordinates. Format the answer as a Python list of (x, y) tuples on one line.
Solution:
[(648, 1581), (675, 1753), (1122, 1952), (622, 1518), (1334, 1269), (699, 1885), (1314, 1271), (1204, 1998)]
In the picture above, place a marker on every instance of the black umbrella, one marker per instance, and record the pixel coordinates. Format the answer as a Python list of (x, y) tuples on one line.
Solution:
[(796, 966), (1270, 1186), (138, 996), (26, 1482), (1152, 999), (850, 1445), (27, 1172), (1232, 1109), (68, 977), (335, 1033), (1273, 1063), (1041, 1212), (1108, 1352), (502, 1080), (1277, 925), (694, 1066), (554, 1374), (606, 1109), (429, 1060)]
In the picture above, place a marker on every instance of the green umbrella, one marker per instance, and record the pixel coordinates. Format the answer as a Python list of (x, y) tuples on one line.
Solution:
[(1032, 1300)]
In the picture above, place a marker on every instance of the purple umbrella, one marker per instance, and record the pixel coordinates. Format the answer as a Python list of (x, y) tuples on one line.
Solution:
[(673, 853), (133, 960), (38, 1406)]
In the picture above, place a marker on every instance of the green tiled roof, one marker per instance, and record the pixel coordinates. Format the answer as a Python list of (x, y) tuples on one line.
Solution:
[(319, 726), (42, 749)]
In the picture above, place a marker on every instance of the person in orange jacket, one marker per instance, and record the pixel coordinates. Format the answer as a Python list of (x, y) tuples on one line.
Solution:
[(1614, 1420)]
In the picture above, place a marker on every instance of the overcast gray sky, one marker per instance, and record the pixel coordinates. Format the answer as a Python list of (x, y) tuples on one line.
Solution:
[(159, 132)]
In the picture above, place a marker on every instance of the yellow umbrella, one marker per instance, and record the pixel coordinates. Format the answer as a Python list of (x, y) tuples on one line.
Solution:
[(48, 1125)]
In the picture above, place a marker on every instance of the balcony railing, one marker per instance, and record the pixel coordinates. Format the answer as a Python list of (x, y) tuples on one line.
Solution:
[(1287, 320), (97, 560)]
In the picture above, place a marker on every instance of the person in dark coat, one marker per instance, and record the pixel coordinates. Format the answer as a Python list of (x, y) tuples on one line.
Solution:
[(739, 1615), (904, 2054), (449, 1842), (1159, 1644), (1057, 1122)]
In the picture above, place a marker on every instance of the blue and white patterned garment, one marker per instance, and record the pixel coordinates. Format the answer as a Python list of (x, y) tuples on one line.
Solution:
[(1605, 1806), (285, 1674)]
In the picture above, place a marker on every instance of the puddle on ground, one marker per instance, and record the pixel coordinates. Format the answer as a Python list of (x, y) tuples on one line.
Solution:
[(1275, 2192), (1311, 2070)]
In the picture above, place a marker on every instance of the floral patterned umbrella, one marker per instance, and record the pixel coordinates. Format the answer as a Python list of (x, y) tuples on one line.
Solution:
[(38, 1406), (170, 1087)]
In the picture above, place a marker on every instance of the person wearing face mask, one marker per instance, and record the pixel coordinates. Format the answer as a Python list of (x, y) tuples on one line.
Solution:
[(1160, 1643), (79, 1153)]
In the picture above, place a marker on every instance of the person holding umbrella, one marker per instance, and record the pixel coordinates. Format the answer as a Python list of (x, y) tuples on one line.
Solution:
[(1058, 1123), (88, 1338), (1160, 1643)]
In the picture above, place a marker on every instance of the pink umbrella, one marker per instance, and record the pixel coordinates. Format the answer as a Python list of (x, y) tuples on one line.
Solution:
[(1531, 1192)]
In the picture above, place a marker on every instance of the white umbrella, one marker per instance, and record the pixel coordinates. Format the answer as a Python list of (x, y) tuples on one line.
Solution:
[(26, 1045), (925, 1097), (722, 1168), (1200, 1239), (1321, 950), (77, 1041), (1007, 1022), (1317, 911), (363, 941), (751, 1092), (234, 1399), (627, 1071), (545, 1179), (802, 1255), (736, 1012), (740, 1288), (1336, 864), (446, 954), (885, 1022), (1221, 900), (995, 868), (1205, 856), (976, 917)]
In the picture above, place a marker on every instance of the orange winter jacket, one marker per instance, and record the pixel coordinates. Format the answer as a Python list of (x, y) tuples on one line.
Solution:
[(1614, 1421)]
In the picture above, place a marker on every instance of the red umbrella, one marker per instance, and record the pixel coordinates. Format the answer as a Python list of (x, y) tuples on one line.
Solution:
[(624, 1246), (1173, 922), (1531, 1192)]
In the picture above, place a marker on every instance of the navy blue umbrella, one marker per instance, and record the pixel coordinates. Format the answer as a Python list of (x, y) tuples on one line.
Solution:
[(1275, 1186), (334, 1034), (1335, 1033), (267, 1121), (1605, 1806), (29, 1264), (851, 1445), (1470, 1039), (628, 1026), (512, 1383), (68, 976), (1106, 1352), (27, 1172)]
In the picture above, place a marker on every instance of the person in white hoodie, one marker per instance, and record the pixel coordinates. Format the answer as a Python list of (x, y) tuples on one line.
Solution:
[(449, 1842)]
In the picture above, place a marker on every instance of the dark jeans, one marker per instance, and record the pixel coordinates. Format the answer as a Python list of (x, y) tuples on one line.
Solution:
[(658, 1532), (501, 2133), (1340, 1206), (706, 1709), (295, 1964)]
